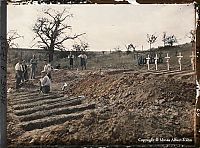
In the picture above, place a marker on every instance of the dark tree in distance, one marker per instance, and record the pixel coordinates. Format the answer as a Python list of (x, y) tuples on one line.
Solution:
[(83, 46), (192, 35), (170, 40), (164, 38), (12, 35), (130, 47), (151, 39), (78, 48), (52, 31)]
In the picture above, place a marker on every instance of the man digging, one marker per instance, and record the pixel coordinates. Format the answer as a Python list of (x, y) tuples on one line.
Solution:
[(44, 83)]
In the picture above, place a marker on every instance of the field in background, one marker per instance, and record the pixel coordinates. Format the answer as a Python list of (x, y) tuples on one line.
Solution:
[(101, 60)]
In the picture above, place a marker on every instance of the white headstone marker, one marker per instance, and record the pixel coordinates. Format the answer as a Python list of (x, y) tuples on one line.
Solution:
[(148, 58), (156, 61), (167, 61), (179, 60), (192, 60)]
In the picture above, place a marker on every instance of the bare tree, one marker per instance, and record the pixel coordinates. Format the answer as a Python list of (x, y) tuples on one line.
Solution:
[(76, 47), (130, 46), (12, 35), (151, 39), (83, 46), (164, 38), (170, 40), (191, 35), (52, 31)]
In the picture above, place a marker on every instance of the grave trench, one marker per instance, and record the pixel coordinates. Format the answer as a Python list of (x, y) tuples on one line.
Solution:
[(22, 98), (46, 122), (49, 110), (25, 93), (56, 111), (39, 102), (37, 98), (48, 107), (34, 118)]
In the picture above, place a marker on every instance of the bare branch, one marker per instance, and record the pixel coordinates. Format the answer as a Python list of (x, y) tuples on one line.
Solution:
[(11, 36), (52, 31), (67, 38)]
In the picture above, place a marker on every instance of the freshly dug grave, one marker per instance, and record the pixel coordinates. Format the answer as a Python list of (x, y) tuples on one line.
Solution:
[(129, 107)]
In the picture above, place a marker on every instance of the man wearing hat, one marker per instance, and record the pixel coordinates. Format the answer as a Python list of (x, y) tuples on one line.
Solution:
[(45, 83)]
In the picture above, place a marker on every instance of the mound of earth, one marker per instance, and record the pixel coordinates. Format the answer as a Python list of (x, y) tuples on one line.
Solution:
[(129, 106)]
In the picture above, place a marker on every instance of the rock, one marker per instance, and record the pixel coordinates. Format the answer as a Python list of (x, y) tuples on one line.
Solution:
[(156, 101), (156, 107), (176, 122), (175, 113), (72, 129), (101, 121), (161, 101), (32, 141)]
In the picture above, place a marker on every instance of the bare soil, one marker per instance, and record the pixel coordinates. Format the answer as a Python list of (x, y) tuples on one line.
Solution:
[(105, 106), (110, 107)]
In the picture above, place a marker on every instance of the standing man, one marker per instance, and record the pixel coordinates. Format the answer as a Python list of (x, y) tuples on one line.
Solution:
[(18, 73), (83, 60), (25, 71), (33, 64), (47, 69), (71, 60)]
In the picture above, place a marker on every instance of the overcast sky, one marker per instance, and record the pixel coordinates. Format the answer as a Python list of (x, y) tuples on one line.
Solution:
[(110, 26)]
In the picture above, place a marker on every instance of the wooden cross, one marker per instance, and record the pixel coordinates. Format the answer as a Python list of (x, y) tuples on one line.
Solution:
[(156, 61), (179, 59), (148, 58), (167, 61)]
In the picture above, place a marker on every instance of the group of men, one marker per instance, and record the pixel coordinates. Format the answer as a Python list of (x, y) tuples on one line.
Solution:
[(21, 69), (83, 60), (22, 76)]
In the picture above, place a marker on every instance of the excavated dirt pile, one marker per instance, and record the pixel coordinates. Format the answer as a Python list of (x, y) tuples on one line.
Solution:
[(138, 106), (116, 108)]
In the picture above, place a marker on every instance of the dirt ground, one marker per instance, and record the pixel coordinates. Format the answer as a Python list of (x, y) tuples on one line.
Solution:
[(129, 106), (104, 106)]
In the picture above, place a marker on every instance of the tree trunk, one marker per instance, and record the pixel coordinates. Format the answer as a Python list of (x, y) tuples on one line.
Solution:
[(50, 56), (150, 46)]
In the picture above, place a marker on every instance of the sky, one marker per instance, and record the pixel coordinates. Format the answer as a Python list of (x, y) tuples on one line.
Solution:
[(109, 26)]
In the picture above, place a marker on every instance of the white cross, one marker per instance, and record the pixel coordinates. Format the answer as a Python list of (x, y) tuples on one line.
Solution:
[(179, 59), (167, 61), (148, 58), (192, 60), (156, 61)]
